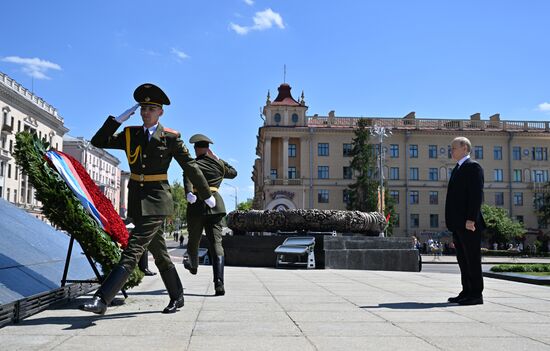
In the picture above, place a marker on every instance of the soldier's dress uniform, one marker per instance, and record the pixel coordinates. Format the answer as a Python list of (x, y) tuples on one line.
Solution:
[(149, 197), (201, 217)]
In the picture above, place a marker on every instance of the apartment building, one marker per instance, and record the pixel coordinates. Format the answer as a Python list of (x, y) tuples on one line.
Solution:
[(303, 162), (22, 110)]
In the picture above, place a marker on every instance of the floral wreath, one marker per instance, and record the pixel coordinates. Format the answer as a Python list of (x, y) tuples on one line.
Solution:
[(102, 240)]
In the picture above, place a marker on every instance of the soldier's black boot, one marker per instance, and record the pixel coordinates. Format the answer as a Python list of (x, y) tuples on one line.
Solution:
[(107, 291), (217, 267), (175, 290), (143, 264), (191, 263)]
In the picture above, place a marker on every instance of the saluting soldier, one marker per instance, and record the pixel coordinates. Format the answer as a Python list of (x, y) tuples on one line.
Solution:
[(149, 149), (201, 217)]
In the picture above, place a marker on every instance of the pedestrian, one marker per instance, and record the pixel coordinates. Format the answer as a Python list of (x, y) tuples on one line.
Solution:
[(200, 217), (464, 219), (149, 149)]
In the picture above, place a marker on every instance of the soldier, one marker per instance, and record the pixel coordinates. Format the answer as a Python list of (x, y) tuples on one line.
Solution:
[(200, 217), (149, 149)]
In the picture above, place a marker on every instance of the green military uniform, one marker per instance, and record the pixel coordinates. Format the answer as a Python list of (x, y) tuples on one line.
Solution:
[(149, 195), (200, 216)]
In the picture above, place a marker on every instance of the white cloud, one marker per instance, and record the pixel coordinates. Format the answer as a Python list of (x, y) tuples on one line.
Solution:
[(262, 20), (33, 67), (179, 54), (249, 2), (544, 107)]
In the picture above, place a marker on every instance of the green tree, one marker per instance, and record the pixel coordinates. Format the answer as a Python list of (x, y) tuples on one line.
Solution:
[(363, 194), (245, 205), (180, 203), (500, 227), (544, 207)]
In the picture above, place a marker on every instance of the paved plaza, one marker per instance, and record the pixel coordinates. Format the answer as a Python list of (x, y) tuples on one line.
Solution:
[(270, 309)]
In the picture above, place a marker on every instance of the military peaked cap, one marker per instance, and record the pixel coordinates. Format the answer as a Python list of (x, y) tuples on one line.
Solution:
[(200, 140), (150, 94)]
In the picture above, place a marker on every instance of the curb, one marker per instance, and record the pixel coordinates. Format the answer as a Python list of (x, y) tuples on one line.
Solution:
[(522, 278)]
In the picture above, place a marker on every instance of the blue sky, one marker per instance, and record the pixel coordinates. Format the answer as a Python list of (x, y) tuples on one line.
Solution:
[(217, 59)]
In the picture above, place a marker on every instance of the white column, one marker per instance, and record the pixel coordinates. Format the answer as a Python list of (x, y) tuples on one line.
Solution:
[(304, 157), (285, 160), (267, 158)]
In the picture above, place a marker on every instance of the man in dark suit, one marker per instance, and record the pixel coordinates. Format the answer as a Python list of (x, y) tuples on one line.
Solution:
[(464, 219), (149, 148), (200, 217)]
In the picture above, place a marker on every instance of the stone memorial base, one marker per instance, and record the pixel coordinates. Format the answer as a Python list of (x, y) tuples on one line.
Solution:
[(371, 253)]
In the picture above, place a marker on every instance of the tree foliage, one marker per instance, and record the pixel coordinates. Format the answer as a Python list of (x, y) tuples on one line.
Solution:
[(245, 205), (363, 194), (500, 227), (180, 203), (544, 209)]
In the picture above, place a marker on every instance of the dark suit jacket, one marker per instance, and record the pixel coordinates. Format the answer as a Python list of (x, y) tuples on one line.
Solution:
[(154, 157), (464, 197), (214, 170)]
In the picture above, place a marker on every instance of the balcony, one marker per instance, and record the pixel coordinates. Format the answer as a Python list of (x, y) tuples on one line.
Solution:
[(7, 129), (280, 181)]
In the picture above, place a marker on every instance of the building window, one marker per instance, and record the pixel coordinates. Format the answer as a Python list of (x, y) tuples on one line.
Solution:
[(497, 152), (292, 173), (518, 199), (394, 150), (415, 220), (542, 223), (347, 172), (540, 175), (518, 174), (432, 151), (15, 195), (516, 153), (413, 151), (277, 118), (11, 146), (538, 201), (433, 174), (291, 150), (294, 118), (9, 170), (16, 173), (413, 197), (478, 152), (519, 219), (8, 194), (347, 150), (413, 173), (499, 199), (434, 197), (540, 154), (394, 194), (273, 174), (322, 196), (396, 220), (346, 196), (18, 126), (434, 220), (322, 172), (394, 173), (322, 149), (498, 175)]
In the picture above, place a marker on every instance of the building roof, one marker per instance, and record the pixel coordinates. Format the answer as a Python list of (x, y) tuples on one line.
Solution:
[(284, 98)]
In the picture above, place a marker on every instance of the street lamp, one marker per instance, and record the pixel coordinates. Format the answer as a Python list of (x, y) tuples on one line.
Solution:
[(235, 188), (381, 132)]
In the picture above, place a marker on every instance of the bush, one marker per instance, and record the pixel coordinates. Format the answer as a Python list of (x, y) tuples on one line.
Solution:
[(527, 267)]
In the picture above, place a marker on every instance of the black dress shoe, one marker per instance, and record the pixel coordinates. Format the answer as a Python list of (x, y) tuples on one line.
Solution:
[(174, 305), (468, 301), (189, 265), (97, 305), (219, 288), (148, 273), (455, 299)]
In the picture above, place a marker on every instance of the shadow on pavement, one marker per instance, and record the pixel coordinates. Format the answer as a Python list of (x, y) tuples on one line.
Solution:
[(411, 305), (80, 322)]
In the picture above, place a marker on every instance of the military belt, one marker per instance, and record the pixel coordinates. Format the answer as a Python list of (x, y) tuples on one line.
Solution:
[(148, 177), (212, 189)]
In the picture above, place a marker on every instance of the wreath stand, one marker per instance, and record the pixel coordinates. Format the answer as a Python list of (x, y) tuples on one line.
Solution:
[(99, 278)]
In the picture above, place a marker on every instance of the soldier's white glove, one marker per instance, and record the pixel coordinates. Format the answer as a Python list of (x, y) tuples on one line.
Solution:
[(211, 201), (126, 114), (191, 198)]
